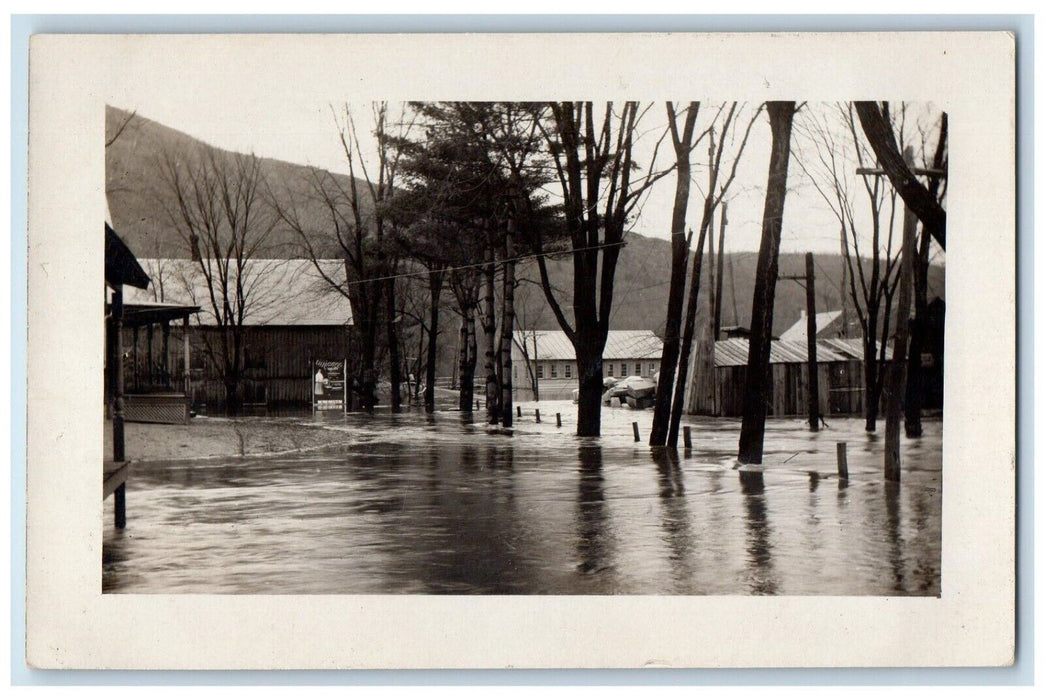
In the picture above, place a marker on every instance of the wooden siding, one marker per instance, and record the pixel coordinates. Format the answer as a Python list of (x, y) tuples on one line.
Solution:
[(841, 388), (277, 370)]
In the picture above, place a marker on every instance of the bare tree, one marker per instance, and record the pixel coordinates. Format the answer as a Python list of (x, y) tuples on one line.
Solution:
[(683, 143), (713, 197), (213, 199), (601, 185), (349, 218), (832, 151)]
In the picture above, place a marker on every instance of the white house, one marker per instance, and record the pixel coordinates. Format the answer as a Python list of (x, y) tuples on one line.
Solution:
[(546, 359)]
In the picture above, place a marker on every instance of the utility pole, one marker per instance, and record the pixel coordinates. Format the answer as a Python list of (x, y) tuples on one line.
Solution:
[(897, 379), (808, 280)]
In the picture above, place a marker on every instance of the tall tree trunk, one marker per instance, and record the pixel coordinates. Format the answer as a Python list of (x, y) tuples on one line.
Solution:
[(489, 330), (687, 339), (507, 328), (473, 353), (394, 373), (435, 287), (589, 347), (718, 278), (676, 291), (753, 427), (706, 224), (464, 401)]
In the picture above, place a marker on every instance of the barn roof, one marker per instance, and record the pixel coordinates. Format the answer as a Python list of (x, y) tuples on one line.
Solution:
[(733, 351), (797, 332), (620, 345), (280, 292)]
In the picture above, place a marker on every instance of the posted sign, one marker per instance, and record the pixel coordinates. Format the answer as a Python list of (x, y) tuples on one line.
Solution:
[(329, 388)]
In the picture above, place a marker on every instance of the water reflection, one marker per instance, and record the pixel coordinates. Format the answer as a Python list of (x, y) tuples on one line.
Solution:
[(675, 517), (759, 549), (891, 491), (410, 505), (593, 544)]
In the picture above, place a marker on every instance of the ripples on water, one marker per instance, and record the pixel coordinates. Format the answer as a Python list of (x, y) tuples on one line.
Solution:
[(437, 505)]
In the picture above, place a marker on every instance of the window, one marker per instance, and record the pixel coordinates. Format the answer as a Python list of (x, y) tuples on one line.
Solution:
[(540, 370), (652, 369), (555, 370), (609, 370), (569, 370)]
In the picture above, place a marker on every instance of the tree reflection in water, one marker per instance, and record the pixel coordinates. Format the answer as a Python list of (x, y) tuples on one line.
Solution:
[(891, 489), (593, 541), (758, 531), (675, 516)]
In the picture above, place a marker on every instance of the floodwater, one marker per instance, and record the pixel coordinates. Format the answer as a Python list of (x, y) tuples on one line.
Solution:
[(419, 504)]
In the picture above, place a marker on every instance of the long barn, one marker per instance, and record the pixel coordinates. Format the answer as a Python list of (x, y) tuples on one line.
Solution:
[(544, 363), (293, 316)]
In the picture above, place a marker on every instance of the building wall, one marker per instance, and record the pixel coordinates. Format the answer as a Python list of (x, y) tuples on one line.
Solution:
[(556, 379), (277, 361), (840, 385)]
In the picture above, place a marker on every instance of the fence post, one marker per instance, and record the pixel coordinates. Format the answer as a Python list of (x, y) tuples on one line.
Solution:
[(843, 461), (687, 439), (635, 429)]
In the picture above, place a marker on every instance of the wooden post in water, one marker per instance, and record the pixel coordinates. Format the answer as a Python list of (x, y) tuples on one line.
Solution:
[(537, 414), (558, 420), (897, 376), (843, 461), (635, 429), (813, 386), (687, 439), (518, 411)]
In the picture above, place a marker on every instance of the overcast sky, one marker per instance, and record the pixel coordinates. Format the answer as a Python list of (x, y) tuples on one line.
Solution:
[(304, 131)]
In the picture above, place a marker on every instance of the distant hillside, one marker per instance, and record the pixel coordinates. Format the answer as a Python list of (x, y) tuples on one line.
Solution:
[(643, 276), (139, 198), (136, 199)]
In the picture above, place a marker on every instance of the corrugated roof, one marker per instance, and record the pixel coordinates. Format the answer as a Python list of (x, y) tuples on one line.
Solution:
[(620, 345), (280, 292), (797, 332), (733, 352), (851, 347)]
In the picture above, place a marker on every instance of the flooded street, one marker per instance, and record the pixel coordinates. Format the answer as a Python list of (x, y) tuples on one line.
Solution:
[(416, 504)]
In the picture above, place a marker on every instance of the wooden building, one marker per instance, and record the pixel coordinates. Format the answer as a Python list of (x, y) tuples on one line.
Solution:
[(292, 316), (839, 367), (546, 359)]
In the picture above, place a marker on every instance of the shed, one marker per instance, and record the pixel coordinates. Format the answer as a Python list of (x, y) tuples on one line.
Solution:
[(839, 367)]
